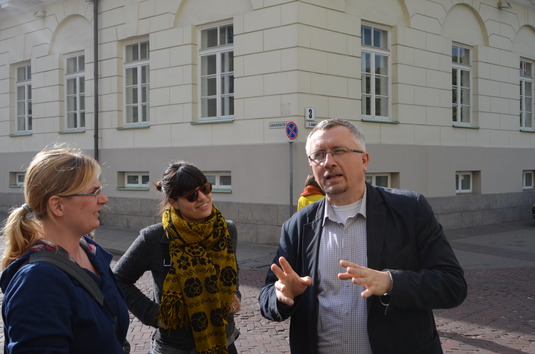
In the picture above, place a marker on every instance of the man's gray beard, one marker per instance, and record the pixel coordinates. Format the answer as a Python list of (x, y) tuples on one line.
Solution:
[(334, 190)]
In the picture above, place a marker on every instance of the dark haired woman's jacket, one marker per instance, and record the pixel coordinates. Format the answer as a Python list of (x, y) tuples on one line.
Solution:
[(150, 252)]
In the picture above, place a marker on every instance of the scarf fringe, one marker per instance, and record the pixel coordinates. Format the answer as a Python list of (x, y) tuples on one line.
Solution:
[(216, 349), (173, 313)]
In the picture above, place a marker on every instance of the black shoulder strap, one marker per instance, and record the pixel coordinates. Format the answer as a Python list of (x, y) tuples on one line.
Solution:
[(72, 269), (76, 272)]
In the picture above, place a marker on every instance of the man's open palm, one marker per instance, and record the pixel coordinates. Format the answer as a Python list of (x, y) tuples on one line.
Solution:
[(290, 284)]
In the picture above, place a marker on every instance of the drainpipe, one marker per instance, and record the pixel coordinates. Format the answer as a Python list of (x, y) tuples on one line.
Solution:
[(95, 78)]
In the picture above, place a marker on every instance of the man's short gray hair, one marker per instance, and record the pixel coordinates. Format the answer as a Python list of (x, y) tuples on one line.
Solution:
[(335, 122)]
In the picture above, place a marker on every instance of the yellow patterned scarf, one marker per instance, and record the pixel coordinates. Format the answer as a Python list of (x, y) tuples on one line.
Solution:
[(201, 282)]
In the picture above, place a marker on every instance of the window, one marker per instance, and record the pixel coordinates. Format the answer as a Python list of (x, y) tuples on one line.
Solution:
[(375, 78), (379, 179), (217, 73), (461, 87), (19, 178), (75, 92), (526, 95), (133, 181), (136, 180), (16, 179), (24, 99), (463, 182), (222, 181), (137, 83), (528, 179)]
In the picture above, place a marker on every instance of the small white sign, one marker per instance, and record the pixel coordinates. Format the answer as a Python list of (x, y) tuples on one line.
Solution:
[(310, 124), (277, 125), (310, 113)]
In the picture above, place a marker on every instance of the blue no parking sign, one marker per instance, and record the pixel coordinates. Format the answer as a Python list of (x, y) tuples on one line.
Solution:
[(291, 130)]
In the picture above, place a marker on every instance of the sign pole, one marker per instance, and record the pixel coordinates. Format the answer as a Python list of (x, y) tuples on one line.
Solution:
[(291, 132), (290, 159)]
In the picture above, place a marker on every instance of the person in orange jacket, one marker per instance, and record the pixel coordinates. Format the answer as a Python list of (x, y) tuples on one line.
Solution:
[(312, 192)]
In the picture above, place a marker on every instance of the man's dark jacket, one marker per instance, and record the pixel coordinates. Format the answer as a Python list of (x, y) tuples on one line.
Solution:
[(404, 237)]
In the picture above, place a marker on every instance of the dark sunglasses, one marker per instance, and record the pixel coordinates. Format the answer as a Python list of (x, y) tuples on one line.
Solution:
[(194, 194)]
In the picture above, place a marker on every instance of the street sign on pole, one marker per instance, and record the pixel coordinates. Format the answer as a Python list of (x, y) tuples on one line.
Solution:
[(291, 130)]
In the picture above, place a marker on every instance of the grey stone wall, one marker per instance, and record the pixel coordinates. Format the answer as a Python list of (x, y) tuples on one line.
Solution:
[(261, 223), (472, 210)]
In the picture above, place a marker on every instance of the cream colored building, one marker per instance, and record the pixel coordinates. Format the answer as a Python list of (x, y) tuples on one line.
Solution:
[(442, 89)]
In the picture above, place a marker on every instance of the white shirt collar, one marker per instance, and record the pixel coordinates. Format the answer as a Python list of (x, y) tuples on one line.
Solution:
[(340, 213)]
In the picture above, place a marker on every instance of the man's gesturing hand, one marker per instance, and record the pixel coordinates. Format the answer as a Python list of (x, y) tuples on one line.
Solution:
[(290, 284), (376, 282)]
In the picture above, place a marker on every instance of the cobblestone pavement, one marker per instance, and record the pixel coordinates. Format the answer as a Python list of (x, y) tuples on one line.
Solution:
[(498, 316), (258, 335)]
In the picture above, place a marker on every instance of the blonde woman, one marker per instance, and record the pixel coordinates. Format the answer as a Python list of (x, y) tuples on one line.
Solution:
[(45, 309)]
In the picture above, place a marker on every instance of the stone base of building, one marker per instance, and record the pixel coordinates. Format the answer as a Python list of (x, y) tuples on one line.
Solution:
[(261, 223)]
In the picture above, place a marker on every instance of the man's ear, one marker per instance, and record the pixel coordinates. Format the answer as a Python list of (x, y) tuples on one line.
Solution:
[(55, 205), (365, 160)]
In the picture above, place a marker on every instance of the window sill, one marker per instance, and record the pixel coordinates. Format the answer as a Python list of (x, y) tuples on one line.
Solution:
[(16, 186), (527, 130), (214, 121), (464, 126), (369, 120), (73, 131), (130, 127), (133, 188), (15, 135), (222, 191)]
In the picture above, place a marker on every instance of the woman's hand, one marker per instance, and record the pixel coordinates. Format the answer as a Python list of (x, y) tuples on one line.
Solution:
[(235, 305), (161, 324)]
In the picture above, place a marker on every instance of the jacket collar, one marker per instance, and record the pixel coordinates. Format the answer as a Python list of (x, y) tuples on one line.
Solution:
[(375, 226)]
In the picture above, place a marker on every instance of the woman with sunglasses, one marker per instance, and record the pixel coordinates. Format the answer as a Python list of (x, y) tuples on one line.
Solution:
[(191, 256), (46, 309)]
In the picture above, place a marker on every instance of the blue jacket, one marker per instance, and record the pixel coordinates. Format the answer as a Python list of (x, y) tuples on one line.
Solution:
[(404, 237), (46, 311)]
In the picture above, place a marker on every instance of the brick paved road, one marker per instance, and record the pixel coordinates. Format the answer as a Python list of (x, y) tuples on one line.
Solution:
[(498, 316), (258, 335)]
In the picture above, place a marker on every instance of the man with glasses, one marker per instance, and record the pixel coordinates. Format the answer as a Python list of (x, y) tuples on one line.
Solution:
[(361, 270)]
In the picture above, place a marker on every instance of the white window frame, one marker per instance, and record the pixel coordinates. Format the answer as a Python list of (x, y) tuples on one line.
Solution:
[(224, 77), (371, 178), (526, 95), (19, 178), (75, 113), (528, 180), (16, 179), (216, 177), (23, 85), (370, 77), (140, 176), (137, 102), (460, 176), (459, 92)]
